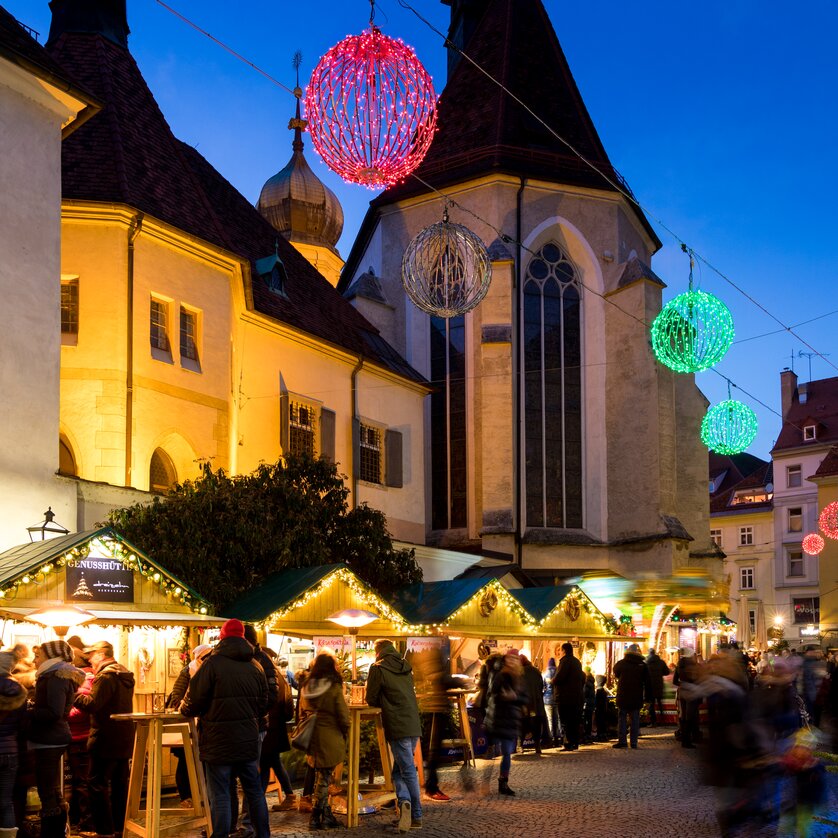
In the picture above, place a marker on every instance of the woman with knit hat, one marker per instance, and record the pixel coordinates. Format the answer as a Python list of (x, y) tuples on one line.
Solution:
[(12, 710), (56, 683)]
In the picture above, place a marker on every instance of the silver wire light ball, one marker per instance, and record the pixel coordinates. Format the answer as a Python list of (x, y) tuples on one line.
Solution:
[(446, 269)]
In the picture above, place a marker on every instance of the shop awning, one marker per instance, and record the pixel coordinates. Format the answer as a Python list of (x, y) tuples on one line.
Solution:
[(565, 611)]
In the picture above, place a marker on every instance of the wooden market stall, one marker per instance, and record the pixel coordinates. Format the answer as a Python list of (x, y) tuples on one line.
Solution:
[(151, 618)]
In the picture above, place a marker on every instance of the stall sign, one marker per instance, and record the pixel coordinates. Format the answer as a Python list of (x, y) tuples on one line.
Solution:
[(423, 644), (334, 644), (99, 580)]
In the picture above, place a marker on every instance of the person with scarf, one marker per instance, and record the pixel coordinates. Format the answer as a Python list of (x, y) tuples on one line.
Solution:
[(323, 694), (56, 683)]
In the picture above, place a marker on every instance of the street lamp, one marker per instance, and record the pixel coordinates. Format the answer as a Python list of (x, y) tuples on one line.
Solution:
[(61, 618), (48, 528), (352, 619)]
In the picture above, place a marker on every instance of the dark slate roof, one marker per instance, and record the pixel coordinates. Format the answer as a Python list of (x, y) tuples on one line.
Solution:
[(277, 591), (434, 602), (19, 47), (829, 464), (129, 155), (633, 270), (482, 130), (819, 408), (759, 477), (367, 286), (27, 558), (499, 252)]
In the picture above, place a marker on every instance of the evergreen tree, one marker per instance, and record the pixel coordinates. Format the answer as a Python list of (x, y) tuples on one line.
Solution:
[(224, 535)]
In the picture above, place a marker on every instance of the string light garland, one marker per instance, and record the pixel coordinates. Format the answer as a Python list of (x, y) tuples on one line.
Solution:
[(371, 109), (729, 427), (692, 332), (446, 269), (828, 520), (108, 544), (813, 544)]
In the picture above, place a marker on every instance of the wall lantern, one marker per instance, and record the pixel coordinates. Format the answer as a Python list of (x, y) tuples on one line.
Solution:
[(48, 528)]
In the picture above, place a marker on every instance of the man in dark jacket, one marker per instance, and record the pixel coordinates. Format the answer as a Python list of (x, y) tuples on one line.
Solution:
[(263, 659), (632, 688), (110, 743), (390, 687), (229, 695), (569, 687), (658, 670)]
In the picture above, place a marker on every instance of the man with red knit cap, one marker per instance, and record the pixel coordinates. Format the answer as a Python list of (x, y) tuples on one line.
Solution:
[(229, 695)]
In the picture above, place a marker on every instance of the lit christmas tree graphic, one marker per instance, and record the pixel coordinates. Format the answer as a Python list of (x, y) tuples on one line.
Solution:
[(82, 590)]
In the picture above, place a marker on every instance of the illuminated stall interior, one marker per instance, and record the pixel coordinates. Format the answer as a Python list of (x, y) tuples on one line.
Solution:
[(293, 607), (150, 617)]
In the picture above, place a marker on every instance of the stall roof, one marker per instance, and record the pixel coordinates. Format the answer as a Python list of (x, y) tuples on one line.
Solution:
[(427, 603), (31, 558), (277, 591), (540, 602)]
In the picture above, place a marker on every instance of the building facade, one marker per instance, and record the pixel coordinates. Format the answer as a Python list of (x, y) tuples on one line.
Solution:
[(556, 439)]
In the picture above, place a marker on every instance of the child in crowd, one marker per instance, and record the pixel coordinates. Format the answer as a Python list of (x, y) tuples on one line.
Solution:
[(601, 698)]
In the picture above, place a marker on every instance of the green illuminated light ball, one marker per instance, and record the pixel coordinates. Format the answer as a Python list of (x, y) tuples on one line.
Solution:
[(729, 427), (692, 332)]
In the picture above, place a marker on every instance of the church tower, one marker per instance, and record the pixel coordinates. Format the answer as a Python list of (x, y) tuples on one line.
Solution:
[(557, 441), (301, 207)]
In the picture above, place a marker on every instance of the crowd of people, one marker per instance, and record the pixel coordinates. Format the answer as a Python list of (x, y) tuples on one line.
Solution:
[(759, 737)]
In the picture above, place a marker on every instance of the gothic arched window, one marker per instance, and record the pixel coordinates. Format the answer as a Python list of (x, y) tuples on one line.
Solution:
[(161, 473), (552, 358)]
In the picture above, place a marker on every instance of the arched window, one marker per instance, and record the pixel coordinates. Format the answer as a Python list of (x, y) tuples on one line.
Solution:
[(161, 473), (552, 357), (66, 460)]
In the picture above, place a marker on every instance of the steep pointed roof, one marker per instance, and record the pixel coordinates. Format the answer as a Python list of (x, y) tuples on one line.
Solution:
[(129, 155), (481, 129)]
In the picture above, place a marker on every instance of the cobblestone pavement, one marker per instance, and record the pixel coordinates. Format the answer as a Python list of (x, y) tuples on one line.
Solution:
[(595, 792)]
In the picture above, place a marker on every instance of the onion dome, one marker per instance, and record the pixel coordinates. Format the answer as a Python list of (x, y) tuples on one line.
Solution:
[(298, 204)]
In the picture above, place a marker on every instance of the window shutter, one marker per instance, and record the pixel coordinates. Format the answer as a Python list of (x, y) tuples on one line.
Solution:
[(393, 459), (284, 421), (327, 434)]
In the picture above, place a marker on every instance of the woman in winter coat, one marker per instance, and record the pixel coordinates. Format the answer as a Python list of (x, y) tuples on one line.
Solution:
[(504, 699), (56, 683), (323, 694), (12, 711)]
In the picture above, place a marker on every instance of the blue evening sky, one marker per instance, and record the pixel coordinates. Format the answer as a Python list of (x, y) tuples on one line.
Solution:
[(721, 116)]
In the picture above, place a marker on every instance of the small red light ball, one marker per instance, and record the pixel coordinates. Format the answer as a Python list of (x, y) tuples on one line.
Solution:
[(828, 520), (813, 544)]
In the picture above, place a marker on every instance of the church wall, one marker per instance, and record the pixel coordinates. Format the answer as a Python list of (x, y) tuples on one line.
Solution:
[(177, 405), (30, 200)]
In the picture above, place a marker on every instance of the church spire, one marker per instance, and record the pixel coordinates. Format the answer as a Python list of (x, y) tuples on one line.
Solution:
[(297, 123), (107, 18)]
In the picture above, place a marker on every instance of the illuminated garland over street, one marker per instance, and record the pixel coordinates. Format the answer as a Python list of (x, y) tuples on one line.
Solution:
[(371, 109)]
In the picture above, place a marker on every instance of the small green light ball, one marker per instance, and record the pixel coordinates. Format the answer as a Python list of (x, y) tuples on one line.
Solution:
[(729, 427), (692, 332)]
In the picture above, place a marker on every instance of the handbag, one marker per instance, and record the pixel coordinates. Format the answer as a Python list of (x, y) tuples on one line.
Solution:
[(302, 733)]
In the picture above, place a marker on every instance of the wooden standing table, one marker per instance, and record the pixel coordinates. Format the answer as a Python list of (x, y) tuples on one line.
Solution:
[(148, 740), (371, 793)]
